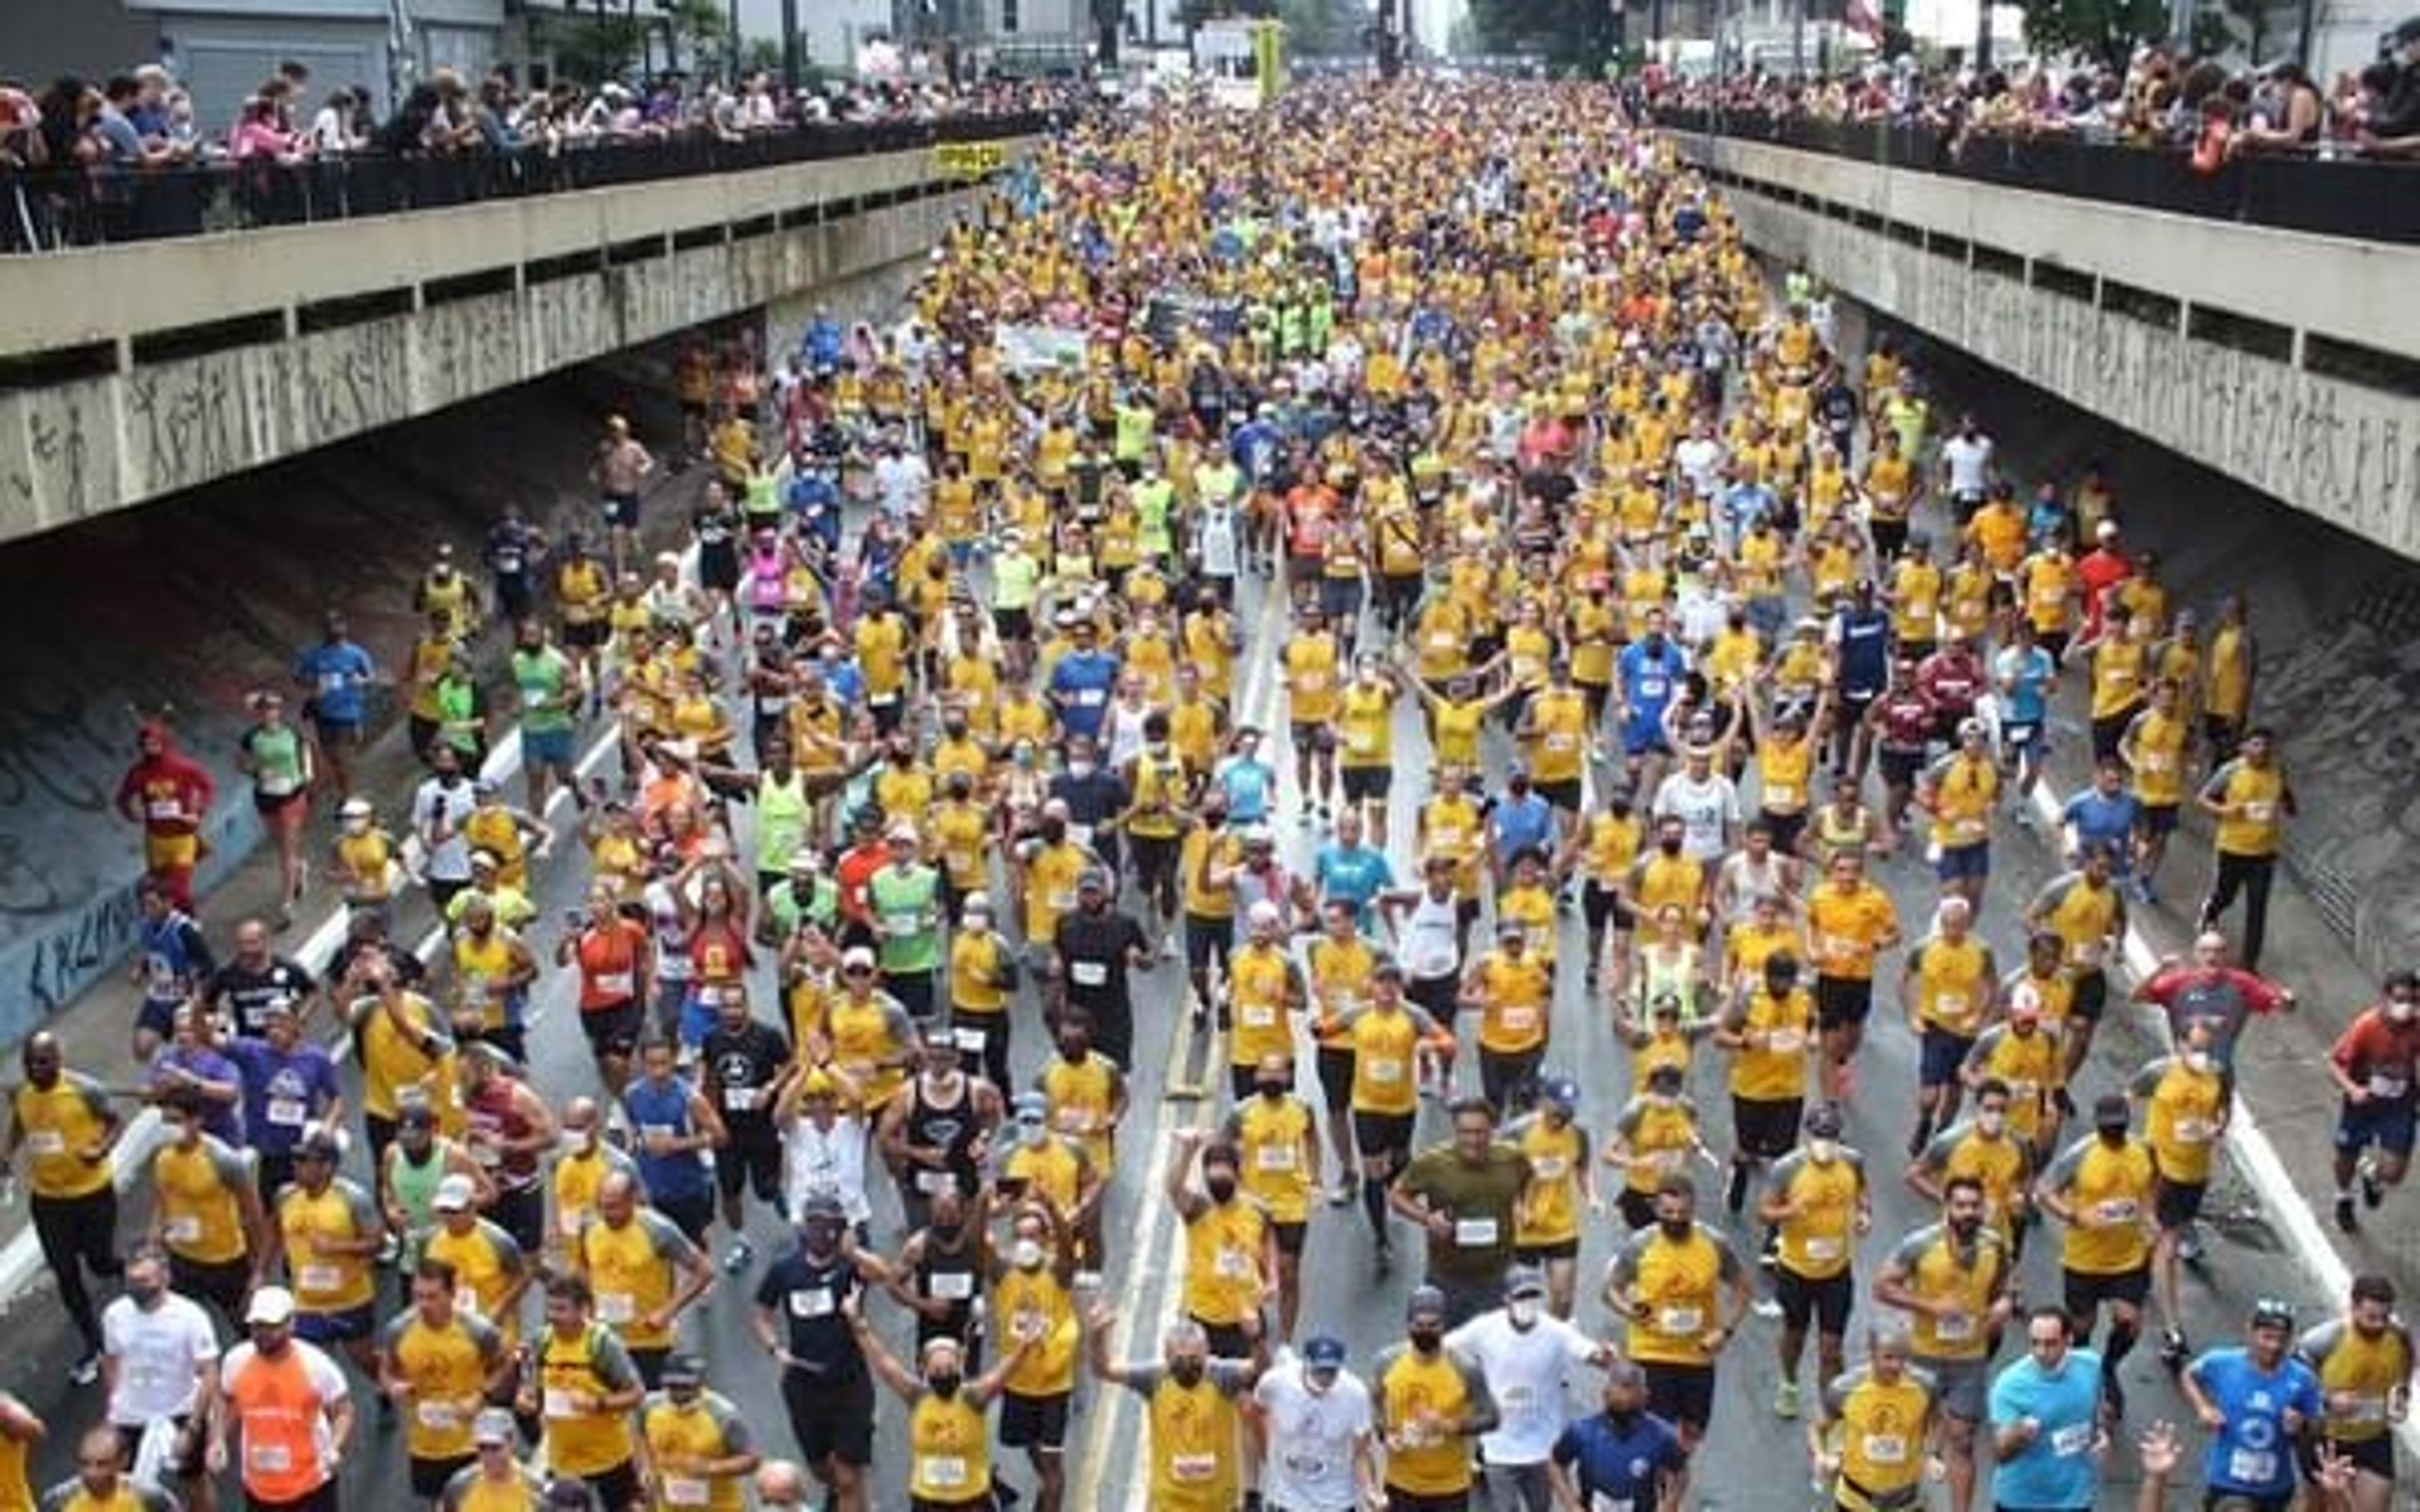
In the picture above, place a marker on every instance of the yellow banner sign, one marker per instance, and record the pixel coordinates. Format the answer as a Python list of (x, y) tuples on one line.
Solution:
[(968, 159)]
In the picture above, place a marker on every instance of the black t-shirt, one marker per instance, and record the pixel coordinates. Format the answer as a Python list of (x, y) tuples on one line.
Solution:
[(244, 994), (743, 1065), (807, 1295), (1092, 952)]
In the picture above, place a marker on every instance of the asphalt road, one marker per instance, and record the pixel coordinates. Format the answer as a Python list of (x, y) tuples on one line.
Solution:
[(1754, 1460)]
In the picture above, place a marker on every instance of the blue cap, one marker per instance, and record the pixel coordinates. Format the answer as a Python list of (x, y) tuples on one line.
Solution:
[(1324, 1353), (1561, 1091)]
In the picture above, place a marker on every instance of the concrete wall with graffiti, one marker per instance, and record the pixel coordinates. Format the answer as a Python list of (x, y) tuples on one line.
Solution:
[(79, 449), (2341, 451)]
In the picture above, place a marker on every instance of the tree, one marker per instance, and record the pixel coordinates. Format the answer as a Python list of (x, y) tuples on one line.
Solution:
[(698, 28), (592, 50), (2106, 30)]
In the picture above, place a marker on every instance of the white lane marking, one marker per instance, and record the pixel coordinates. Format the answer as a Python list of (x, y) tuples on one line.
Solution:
[(21, 1259), (1156, 1258), (2252, 1152)]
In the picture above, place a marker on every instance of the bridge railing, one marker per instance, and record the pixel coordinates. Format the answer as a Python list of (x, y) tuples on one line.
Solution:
[(2363, 199), (62, 207)]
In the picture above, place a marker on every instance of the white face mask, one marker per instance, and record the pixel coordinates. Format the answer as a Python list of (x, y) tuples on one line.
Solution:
[(1823, 1151), (1991, 1123), (2400, 1012), (1523, 1312), (2198, 1062), (1026, 1254)]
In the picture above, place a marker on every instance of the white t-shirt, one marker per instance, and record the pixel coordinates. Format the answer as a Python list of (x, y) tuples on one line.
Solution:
[(1698, 457), (1704, 808), (1525, 1370), (821, 1163), (1969, 462), (1311, 1436), (450, 859), (159, 1355)]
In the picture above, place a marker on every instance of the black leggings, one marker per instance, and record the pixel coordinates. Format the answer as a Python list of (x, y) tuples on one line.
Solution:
[(79, 1234), (2249, 875)]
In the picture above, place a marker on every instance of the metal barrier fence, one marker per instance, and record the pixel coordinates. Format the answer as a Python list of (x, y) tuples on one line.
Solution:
[(2365, 199), (63, 207)]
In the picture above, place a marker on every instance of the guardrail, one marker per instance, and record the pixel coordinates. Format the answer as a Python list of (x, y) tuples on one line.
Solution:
[(2362, 199), (59, 208)]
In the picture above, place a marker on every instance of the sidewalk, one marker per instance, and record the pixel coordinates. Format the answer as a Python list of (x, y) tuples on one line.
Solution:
[(94, 1026)]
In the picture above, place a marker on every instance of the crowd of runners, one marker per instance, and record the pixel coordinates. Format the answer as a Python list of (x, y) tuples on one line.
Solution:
[(1031, 673)]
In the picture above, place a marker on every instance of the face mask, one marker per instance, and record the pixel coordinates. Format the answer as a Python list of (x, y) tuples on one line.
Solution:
[(1669, 847), (948, 1233), (578, 1140), (1273, 1091), (1428, 1340), (1622, 1417), (2401, 1012), (2198, 1062), (1823, 1151), (1655, 643), (1054, 831), (1991, 1123), (1221, 1188), (822, 1240), (1026, 1255), (1212, 818), (1676, 1230), (1079, 769), (1187, 1372), (1523, 1312), (2113, 1139), (1966, 1228), (945, 1387), (144, 1296)]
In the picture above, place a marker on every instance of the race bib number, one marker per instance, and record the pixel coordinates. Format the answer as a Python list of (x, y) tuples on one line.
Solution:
[(1474, 1233), (2385, 1086), (1785, 1041), (319, 1277), (688, 1491), (1549, 1167), (970, 1040), (1088, 973), (1886, 1449), (615, 984), (2116, 1210), (616, 1307), (811, 1301), (941, 1472), (2251, 1466), (1260, 1017), (1958, 1330), (1234, 1264), (1779, 795), (1273, 1158), (184, 1230), (2192, 1131), (951, 1286), (270, 1458), (164, 808), (1192, 1469), (2072, 1440), (437, 1417), (558, 1404), (1681, 1322), (466, 1300), (1822, 1249), (1520, 1019), (2259, 813), (1606, 1501), (933, 1182), (46, 1143), (287, 1112), (739, 1100)]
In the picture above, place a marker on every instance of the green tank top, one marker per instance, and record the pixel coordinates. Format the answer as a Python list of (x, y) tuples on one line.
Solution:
[(1152, 500), (782, 815), (415, 1193), (1014, 580), (456, 705), (903, 904)]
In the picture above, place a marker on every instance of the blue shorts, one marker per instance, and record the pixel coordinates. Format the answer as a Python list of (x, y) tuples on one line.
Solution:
[(1958, 862), (335, 1328), (159, 1015), (2389, 1126), (1637, 743), (1944, 1054), (547, 747)]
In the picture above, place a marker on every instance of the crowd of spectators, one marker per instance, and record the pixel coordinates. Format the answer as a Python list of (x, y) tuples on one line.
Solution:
[(85, 146), (2161, 98)]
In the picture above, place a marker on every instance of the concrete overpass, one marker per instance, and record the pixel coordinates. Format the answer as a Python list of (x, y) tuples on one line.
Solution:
[(139, 370), (2277, 356)]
